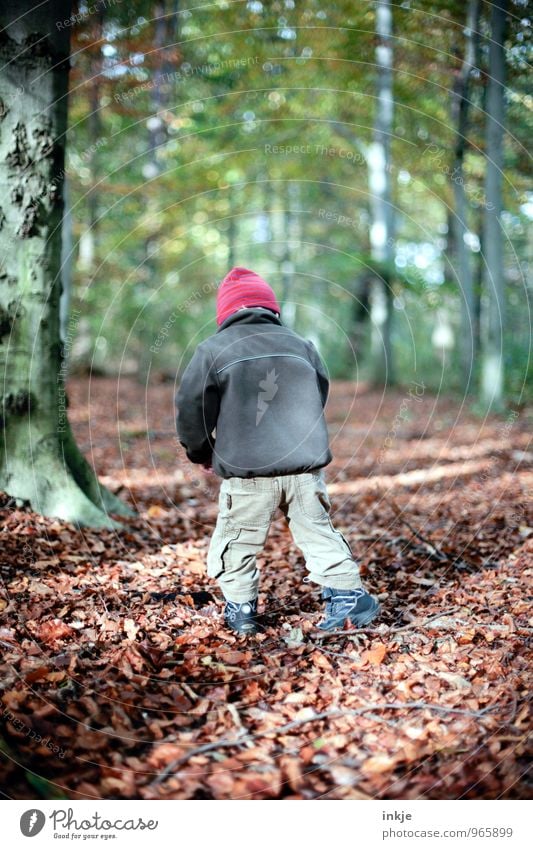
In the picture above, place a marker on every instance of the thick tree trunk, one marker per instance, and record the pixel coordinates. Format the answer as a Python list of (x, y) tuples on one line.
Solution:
[(39, 461), (460, 113), (66, 271), (492, 378), (381, 238)]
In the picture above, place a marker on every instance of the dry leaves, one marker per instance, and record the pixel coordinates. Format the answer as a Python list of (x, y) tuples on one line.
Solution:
[(113, 645)]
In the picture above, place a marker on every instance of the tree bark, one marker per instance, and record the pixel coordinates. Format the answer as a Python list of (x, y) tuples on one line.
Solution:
[(39, 462), (232, 231), (165, 34), (460, 118), (89, 238), (359, 313), (290, 199), (66, 269), (381, 238), (492, 377)]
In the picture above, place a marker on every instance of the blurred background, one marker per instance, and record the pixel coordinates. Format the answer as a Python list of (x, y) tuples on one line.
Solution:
[(368, 159)]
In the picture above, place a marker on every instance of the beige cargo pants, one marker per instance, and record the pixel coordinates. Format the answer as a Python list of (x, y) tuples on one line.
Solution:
[(247, 507)]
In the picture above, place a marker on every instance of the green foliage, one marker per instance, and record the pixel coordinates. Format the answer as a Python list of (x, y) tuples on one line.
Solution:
[(242, 139)]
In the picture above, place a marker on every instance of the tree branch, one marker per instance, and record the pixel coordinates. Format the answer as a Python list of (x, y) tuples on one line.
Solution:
[(171, 768), (362, 631)]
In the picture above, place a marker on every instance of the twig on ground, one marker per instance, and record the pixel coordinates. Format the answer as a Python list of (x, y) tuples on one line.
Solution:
[(399, 515), (337, 653), (362, 631), (242, 739), (441, 556)]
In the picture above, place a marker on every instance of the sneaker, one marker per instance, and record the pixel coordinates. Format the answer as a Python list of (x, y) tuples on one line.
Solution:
[(242, 617), (357, 606)]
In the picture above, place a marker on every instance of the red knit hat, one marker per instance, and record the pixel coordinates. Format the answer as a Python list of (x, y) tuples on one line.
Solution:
[(243, 288)]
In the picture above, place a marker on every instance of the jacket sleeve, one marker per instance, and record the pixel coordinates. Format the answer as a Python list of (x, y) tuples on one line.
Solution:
[(321, 373), (197, 403)]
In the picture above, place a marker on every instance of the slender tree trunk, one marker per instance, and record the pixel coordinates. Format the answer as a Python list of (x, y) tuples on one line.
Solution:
[(492, 378), (286, 261), (232, 228), (359, 313), (478, 284), (381, 238), (460, 116), (89, 237), (39, 460), (166, 23)]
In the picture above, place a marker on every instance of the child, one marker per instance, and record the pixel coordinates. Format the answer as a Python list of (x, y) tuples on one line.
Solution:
[(263, 388)]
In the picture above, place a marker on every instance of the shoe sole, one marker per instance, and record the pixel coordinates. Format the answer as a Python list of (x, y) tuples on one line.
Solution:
[(357, 619), (246, 630)]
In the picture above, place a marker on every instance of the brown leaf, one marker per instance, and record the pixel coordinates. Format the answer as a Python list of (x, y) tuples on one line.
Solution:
[(374, 655), (377, 764), (130, 628), (292, 771), (53, 630)]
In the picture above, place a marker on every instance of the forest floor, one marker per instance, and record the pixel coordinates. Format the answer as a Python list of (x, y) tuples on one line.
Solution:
[(119, 680)]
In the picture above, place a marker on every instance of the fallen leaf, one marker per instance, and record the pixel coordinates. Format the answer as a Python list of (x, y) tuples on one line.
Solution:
[(374, 655), (378, 764), (130, 628)]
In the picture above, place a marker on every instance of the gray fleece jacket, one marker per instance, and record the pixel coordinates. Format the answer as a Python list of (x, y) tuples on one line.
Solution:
[(262, 388)]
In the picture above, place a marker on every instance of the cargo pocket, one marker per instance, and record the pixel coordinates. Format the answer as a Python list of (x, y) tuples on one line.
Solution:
[(313, 497), (247, 509), (343, 538), (224, 502), (218, 551)]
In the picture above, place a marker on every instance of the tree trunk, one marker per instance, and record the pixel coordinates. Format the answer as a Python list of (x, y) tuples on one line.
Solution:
[(66, 268), (40, 462), (166, 23), (478, 283), (359, 313), (89, 238), (286, 263), (381, 238), (460, 115), (232, 228), (492, 377)]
